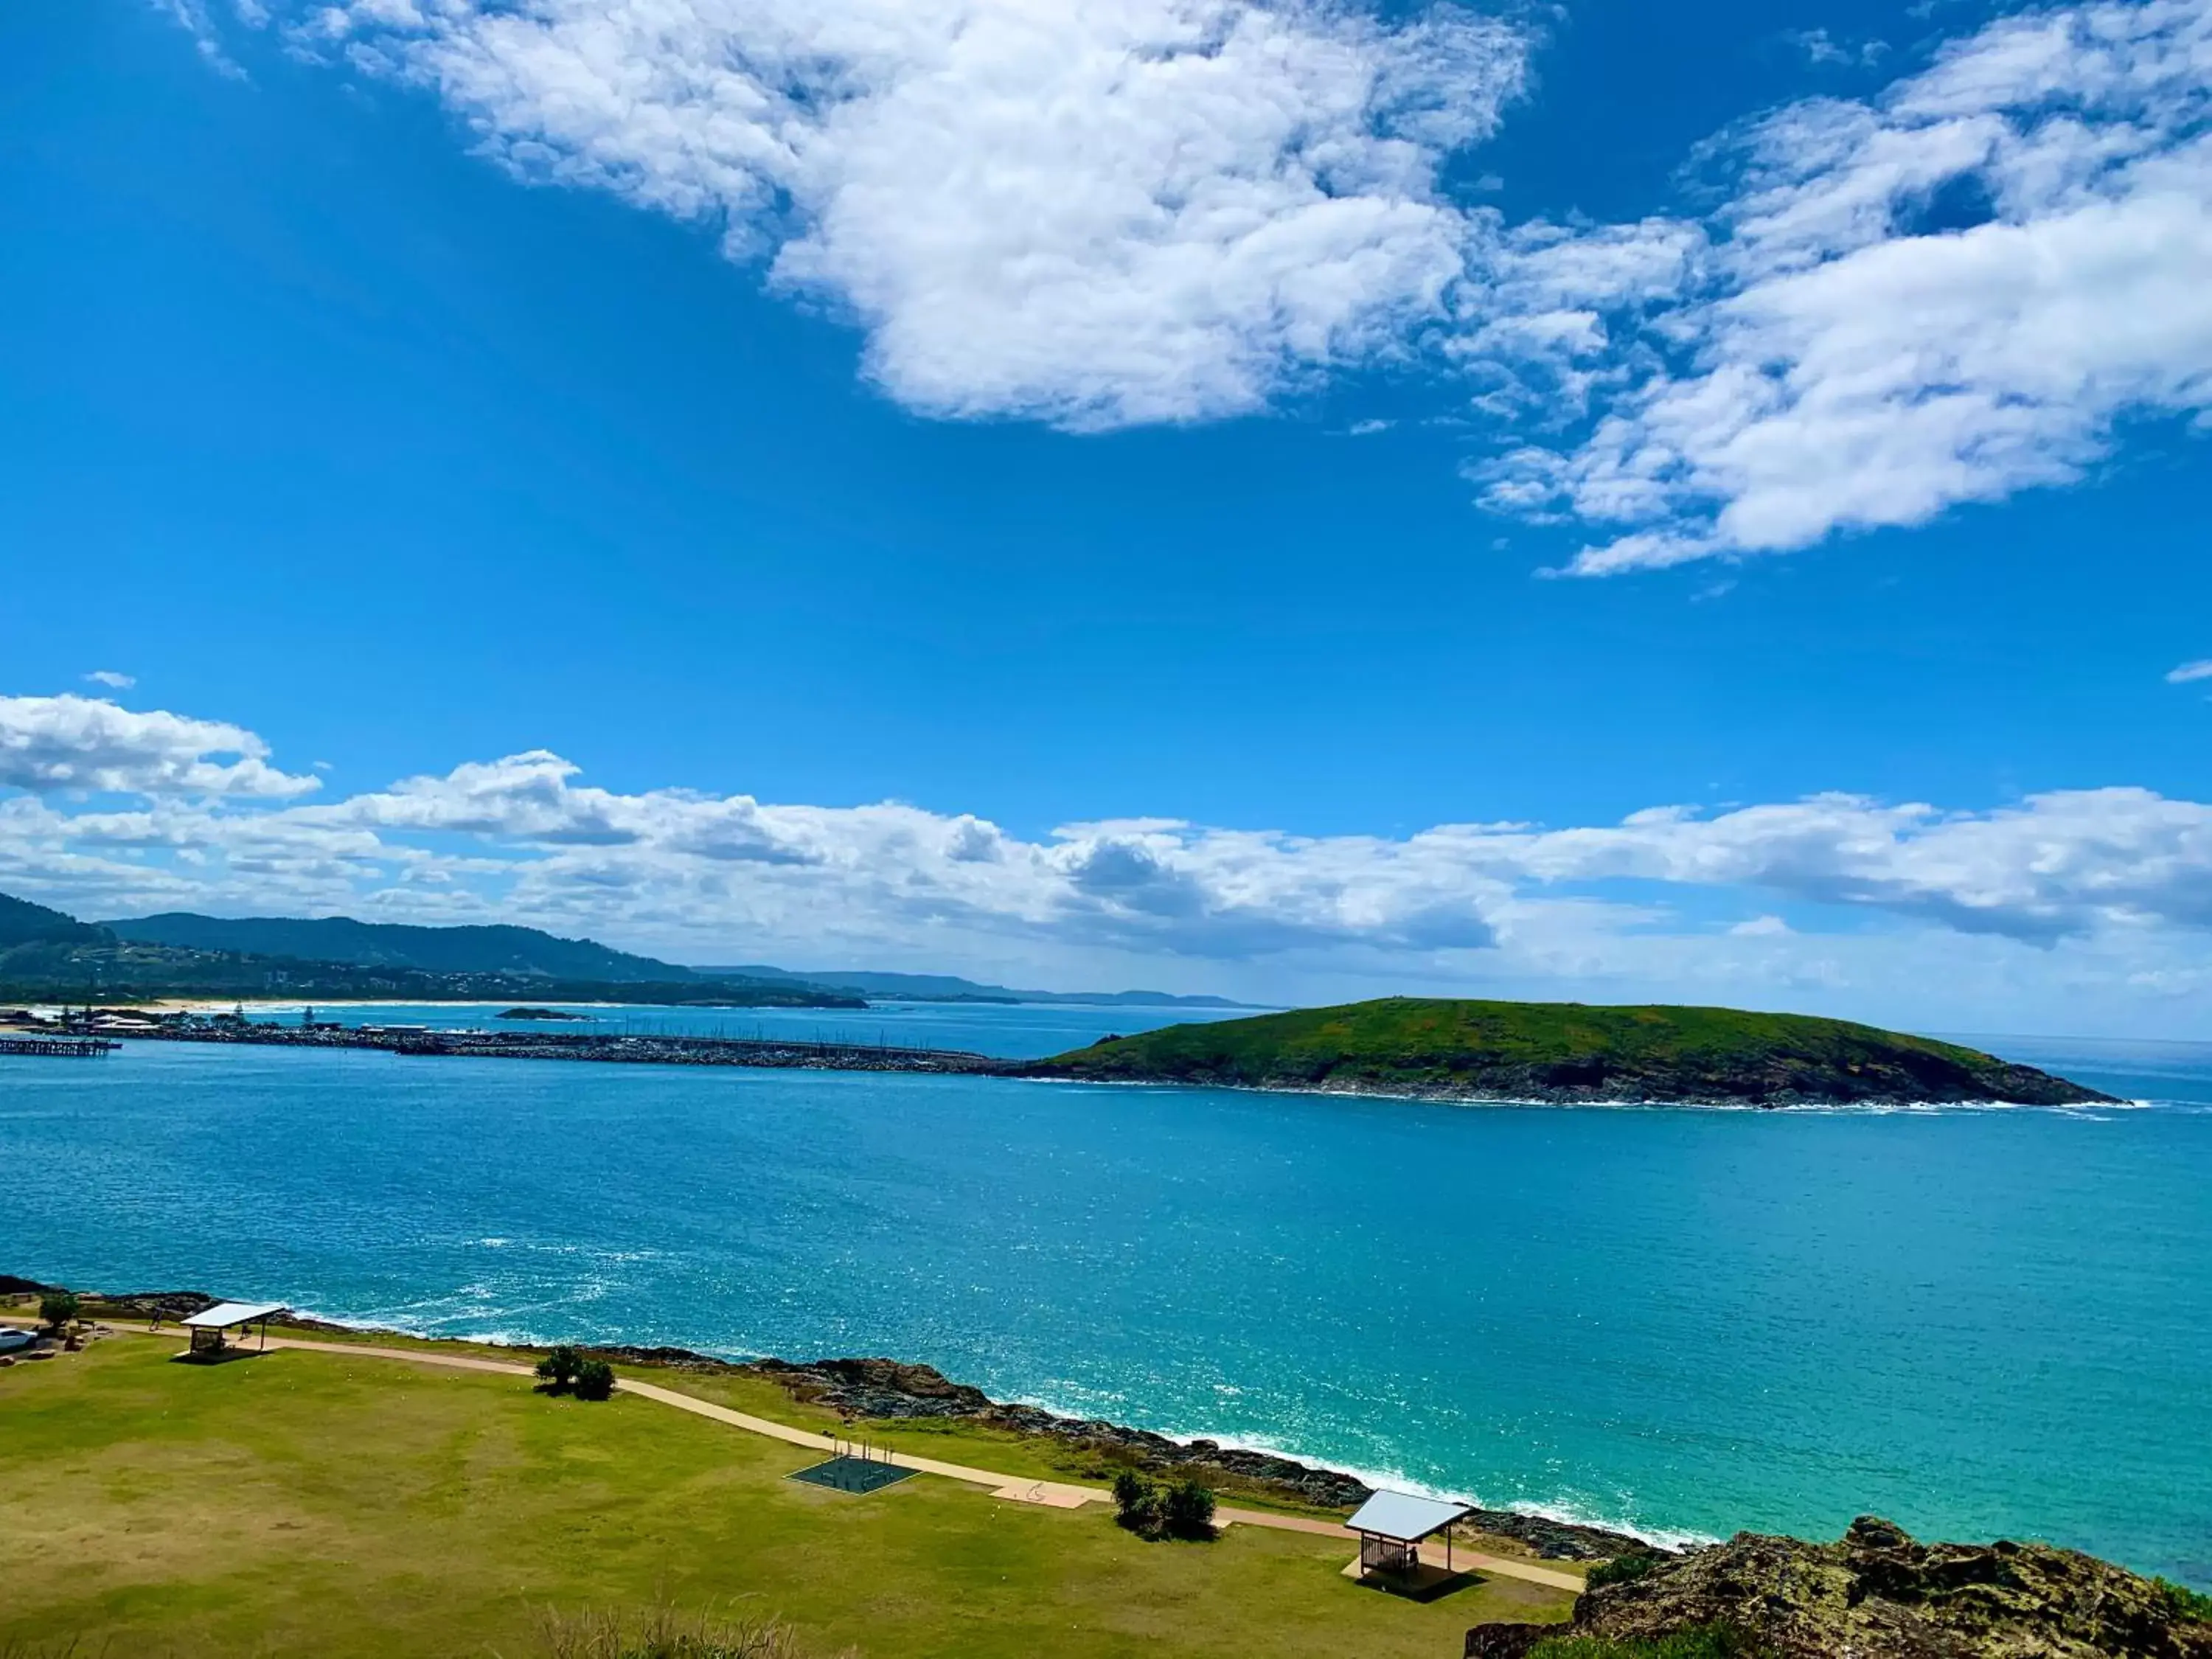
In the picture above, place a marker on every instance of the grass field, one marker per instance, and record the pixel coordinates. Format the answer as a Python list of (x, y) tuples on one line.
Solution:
[(303, 1503)]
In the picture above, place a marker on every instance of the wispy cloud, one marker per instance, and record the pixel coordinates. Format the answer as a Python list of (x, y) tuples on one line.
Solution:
[(194, 17), (111, 679), (1824, 51), (2188, 672)]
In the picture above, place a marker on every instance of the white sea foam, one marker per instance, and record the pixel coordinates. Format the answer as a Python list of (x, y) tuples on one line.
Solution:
[(1568, 1511)]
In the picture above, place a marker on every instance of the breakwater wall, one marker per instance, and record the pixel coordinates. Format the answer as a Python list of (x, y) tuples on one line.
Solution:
[(629, 1049)]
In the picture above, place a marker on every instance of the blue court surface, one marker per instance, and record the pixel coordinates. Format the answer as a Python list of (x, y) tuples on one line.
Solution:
[(859, 1474)]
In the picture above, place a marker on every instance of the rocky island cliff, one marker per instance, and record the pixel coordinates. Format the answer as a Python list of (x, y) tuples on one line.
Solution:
[(1437, 1048)]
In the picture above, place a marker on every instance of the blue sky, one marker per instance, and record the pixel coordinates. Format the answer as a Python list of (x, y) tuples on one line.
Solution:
[(1149, 431)]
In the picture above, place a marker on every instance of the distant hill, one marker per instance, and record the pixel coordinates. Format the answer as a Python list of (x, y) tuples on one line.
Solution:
[(48, 956), (494, 950), (22, 922), (1565, 1052), (948, 988)]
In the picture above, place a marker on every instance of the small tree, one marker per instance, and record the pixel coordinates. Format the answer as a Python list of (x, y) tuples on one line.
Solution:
[(595, 1380), (559, 1369), (1136, 1502), (60, 1309), (1187, 1511)]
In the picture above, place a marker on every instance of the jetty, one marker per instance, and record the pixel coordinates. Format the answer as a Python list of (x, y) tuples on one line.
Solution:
[(57, 1048)]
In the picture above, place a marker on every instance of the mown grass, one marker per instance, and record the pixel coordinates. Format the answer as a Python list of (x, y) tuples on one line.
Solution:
[(318, 1503), (952, 1440)]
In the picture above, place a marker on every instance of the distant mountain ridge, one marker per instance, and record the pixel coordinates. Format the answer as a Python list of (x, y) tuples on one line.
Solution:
[(22, 922), (459, 950), (950, 988), (46, 956), (184, 952)]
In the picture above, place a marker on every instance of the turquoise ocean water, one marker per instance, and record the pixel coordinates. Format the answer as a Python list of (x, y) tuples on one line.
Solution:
[(1977, 1323)]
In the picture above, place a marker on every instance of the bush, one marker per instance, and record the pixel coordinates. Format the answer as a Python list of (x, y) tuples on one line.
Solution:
[(60, 1308), (1188, 1510), (595, 1380), (1184, 1509), (1136, 1503), (559, 1369), (1622, 1568), (2187, 1604)]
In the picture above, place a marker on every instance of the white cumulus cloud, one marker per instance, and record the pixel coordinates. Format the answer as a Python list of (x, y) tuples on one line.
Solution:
[(1090, 214), (1951, 293), (89, 744)]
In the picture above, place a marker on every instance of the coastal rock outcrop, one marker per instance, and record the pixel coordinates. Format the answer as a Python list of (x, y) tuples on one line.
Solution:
[(1877, 1594)]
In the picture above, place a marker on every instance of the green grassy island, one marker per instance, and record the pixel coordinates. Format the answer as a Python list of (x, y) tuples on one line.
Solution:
[(1566, 1052)]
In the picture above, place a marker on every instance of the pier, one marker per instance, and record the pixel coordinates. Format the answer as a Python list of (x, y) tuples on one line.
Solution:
[(58, 1048)]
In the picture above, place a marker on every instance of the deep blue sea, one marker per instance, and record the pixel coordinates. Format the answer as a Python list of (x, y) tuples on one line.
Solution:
[(1977, 1322)]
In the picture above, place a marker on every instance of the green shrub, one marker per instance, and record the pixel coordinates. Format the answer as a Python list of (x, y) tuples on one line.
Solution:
[(2187, 1603), (1136, 1503), (60, 1308), (595, 1380), (1699, 1642), (1184, 1509), (1188, 1510), (1622, 1568), (559, 1369)]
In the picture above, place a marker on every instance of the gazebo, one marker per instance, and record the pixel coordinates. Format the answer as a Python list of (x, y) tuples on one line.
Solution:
[(211, 1326), (1391, 1525)]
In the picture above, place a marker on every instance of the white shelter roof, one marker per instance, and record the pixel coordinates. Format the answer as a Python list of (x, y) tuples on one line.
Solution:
[(226, 1314), (1404, 1516)]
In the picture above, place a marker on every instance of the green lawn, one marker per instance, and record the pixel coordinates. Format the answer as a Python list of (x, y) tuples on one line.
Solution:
[(304, 1503)]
